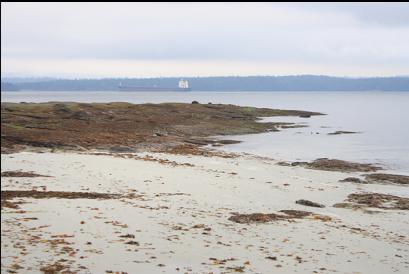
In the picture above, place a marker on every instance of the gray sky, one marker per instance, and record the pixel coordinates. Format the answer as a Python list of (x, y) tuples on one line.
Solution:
[(200, 39)]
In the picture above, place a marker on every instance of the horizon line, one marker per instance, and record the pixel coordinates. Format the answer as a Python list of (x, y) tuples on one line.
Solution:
[(213, 76)]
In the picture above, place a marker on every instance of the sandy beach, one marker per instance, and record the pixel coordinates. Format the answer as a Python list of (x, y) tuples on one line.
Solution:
[(204, 138), (172, 216)]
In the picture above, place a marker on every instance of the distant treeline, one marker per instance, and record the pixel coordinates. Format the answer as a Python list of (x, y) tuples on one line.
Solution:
[(228, 83)]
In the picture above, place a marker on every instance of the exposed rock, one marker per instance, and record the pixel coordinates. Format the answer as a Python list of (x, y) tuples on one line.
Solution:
[(299, 163), (203, 142), (290, 125), (132, 243), (254, 218), (268, 217), (376, 200), (387, 178), (308, 203), (349, 205), (121, 149), (342, 132), (199, 226), (80, 115), (282, 163), (21, 174), (340, 165), (10, 194), (228, 142), (353, 180), (190, 149), (61, 108), (155, 127), (200, 142), (236, 268), (127, 236), (296, 213), (379, 178)]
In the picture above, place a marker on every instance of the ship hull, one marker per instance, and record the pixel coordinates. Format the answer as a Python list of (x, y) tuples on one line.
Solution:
[(152, 89)]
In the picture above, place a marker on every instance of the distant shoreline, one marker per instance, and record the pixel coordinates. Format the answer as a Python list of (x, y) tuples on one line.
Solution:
[(230, 83), (215, 91)]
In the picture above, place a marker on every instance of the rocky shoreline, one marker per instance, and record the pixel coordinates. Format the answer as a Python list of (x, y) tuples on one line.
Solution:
[(125, 127)]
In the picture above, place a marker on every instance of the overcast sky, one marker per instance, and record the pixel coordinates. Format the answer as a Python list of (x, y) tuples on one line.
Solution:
[(201, 39)]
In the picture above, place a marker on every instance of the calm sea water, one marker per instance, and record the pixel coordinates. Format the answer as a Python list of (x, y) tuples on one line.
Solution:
[(382, 118)]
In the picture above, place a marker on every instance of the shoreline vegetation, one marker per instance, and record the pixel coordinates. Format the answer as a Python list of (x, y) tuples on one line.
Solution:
[(124, 188)]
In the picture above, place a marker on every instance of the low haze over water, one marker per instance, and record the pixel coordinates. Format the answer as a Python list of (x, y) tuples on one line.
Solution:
[(382, 118)]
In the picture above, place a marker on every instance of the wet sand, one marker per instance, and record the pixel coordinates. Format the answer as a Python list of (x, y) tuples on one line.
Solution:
[(173, 214)]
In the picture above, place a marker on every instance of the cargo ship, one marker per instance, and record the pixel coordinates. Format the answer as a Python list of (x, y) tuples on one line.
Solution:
[(182, 86)]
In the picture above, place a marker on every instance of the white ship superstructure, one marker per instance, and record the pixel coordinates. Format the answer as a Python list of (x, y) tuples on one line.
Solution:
[(183, 85)]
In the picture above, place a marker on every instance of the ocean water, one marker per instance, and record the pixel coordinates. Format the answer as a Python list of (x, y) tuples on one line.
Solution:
[(381, 118)]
